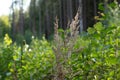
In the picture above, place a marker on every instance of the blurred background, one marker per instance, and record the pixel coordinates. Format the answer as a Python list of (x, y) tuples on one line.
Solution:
[(22, 19)]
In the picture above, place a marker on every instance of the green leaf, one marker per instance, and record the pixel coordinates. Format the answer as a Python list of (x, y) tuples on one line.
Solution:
[(99, 26), (113, 4), (112, 60), (60, 30), (118, 59), (101, 6), (91, 30)]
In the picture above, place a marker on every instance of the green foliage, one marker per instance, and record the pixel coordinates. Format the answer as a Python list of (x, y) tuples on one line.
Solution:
[(98, 60), (7, 40), (4, 25), (34, 61)]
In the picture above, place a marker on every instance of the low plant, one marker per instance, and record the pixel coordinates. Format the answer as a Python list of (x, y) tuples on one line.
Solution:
[(94, 55)]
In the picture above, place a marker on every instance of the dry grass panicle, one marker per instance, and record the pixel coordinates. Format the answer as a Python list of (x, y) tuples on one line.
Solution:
[(63, 48)]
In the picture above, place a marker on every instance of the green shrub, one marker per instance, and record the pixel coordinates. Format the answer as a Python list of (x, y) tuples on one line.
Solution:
[(94, 55)]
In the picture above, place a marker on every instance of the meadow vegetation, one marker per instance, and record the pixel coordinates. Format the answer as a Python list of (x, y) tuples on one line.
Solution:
[(92, 55)]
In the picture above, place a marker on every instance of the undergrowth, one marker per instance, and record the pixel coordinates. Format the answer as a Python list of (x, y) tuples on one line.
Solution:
[(94, 55)]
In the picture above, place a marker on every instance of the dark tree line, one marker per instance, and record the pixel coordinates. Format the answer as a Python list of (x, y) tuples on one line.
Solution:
[(39, 19)]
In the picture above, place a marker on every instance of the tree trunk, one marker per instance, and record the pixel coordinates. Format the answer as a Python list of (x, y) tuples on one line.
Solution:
[(47, 21), (64, 14), (60, 14), (34, 16), (69, 10), (81, 15), (95, 9), (40, 27), (84, 15), (13, 20), (21, 24)]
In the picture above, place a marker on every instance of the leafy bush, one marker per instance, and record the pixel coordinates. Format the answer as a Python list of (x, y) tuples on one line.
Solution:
[(98, 59), (94, 55)]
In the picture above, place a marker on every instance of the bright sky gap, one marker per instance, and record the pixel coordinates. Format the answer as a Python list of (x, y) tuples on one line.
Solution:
[(5, 6)]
